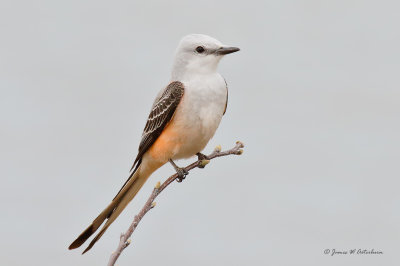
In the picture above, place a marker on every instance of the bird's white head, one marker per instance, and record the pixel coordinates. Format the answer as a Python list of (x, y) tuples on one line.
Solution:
[(198, 54)]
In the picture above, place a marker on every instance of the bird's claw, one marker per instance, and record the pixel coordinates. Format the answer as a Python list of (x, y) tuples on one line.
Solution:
[(182, 173), (201, 156)]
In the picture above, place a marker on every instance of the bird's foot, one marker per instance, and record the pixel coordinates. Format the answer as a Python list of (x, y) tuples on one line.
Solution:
[(182, 173), (204, 160)]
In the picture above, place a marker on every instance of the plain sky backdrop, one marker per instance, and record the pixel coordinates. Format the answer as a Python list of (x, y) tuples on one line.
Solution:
[(314, 94)]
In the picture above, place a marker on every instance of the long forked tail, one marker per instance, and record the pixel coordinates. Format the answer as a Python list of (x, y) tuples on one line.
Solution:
[(113, 210)]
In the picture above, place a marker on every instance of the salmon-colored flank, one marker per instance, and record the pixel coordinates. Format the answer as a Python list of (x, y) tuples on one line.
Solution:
[(166, 144)]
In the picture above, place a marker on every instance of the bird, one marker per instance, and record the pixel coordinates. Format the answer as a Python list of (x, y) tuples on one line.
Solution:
[(184, 117)]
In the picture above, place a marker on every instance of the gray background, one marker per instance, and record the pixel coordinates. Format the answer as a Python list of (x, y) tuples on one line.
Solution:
[(314, 95)]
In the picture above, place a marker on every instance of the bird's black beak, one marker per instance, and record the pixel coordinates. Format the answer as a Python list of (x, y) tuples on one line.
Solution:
[(226, 50)]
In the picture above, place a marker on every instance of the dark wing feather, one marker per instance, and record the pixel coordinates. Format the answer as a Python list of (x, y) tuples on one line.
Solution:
[(160, 115), (226, 103)]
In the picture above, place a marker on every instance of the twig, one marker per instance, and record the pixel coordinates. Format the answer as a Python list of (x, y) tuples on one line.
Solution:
[(125, 238)]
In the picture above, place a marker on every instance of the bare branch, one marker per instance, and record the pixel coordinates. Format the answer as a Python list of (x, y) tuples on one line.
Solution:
[(158, 188)]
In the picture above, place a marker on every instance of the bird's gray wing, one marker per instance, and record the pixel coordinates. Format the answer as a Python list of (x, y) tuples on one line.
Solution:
[(162, 111), (226, 103)]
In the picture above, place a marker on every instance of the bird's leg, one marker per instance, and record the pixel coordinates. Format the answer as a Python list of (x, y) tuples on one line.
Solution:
[(203, 158), (182, 173)]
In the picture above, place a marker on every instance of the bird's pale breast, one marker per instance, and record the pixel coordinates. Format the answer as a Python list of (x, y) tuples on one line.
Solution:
[(200, 112), (195, 121)]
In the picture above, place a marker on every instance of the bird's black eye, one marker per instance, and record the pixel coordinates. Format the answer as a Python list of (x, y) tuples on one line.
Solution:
[(200, 49)]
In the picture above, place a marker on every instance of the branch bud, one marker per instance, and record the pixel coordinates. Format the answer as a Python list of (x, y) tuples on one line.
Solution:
[(240, 144), (153, 204), (218, 148), (204, 163), (157, 186), (239, 152)]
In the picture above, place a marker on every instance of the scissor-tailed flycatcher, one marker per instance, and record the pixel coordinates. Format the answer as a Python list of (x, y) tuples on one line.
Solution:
[(184, 117)]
